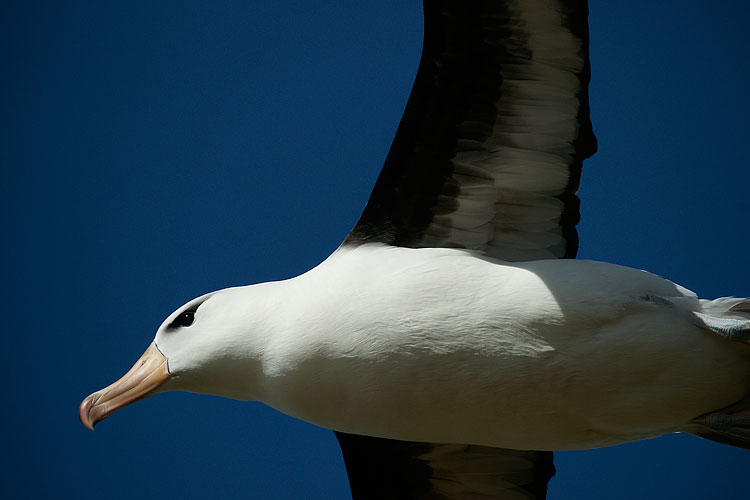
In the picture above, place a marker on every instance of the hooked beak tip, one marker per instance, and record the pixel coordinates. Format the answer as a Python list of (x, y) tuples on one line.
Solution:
[(84, 412), (148, 373)]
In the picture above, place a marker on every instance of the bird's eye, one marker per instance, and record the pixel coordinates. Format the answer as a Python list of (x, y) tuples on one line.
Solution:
[(184, 319)]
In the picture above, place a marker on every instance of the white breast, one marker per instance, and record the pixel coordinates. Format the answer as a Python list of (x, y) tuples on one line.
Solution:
[(440, 345)]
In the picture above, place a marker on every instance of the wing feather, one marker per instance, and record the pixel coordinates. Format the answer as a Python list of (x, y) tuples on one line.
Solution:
[(497, 124), (385, 468)]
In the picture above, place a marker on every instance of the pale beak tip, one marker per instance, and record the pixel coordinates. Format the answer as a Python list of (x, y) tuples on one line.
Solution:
[(84, 412), (148, 373)]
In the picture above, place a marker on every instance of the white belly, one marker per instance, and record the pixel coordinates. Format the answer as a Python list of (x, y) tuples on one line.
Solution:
[(437, 345)]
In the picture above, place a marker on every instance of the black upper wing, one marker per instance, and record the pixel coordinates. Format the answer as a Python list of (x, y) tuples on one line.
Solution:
[(488, 153), (399, 470)]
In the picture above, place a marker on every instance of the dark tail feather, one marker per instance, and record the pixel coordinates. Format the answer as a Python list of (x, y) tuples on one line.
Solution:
[(728, 426), (741, 307)]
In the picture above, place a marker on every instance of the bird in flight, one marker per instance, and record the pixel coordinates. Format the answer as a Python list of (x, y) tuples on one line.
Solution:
[(452, 341)]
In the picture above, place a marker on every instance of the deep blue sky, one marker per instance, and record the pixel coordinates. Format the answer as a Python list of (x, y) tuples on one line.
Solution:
[(152, 153)]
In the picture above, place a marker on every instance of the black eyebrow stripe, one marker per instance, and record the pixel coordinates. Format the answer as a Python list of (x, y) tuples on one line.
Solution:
[(193, 309)]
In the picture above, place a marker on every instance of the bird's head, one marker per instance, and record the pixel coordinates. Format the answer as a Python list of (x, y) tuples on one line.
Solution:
[(212, 345)]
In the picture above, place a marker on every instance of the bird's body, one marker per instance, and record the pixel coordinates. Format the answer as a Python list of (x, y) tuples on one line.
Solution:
[(445, 329), (446, 346)]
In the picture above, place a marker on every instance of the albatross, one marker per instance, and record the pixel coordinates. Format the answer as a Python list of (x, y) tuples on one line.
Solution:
[(451, 341)]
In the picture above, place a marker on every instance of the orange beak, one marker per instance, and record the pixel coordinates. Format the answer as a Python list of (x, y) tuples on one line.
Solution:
[(148, 373)]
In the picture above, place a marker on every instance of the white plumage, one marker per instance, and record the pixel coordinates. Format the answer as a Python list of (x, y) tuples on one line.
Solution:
[(434, 337), (447, 346)]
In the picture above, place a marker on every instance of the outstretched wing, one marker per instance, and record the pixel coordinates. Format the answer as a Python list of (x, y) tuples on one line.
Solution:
[(488, 153), (488, 157), (384, 468)]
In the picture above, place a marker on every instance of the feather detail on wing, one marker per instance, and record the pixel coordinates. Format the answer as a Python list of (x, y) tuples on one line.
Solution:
[(385, 468), (488, 153)]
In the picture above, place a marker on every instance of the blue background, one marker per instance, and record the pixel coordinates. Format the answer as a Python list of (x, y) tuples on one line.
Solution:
[(154, 151)]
